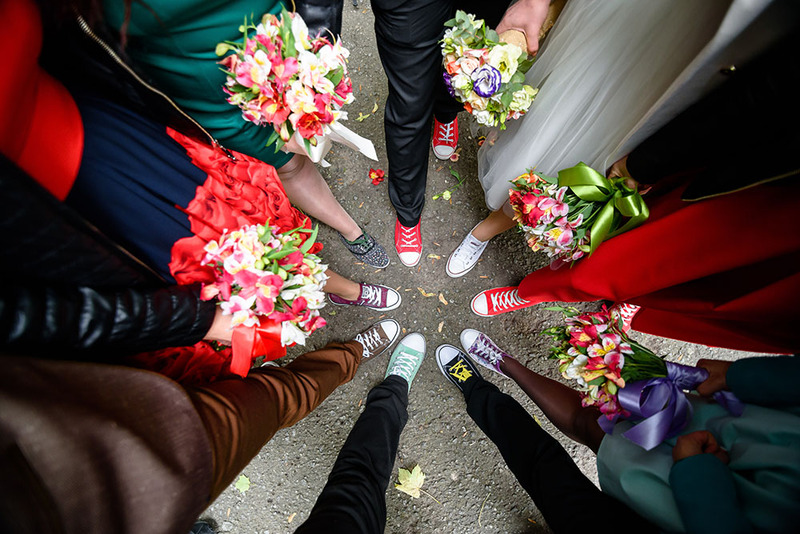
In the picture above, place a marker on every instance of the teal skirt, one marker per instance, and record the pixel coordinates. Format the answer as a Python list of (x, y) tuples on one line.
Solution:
[(764, 449)]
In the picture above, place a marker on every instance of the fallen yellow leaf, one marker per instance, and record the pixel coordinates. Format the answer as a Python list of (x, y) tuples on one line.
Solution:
[(434, 257), (440, 327), (442, 299), (375, 107), (410, 481), (425, 293), (291, 517)]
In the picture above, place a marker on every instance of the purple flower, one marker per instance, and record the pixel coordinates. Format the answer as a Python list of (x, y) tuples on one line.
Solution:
[(486, 80), (448, 84)]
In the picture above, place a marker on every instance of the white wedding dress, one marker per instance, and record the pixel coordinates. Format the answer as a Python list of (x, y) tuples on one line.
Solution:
[(612, 72)]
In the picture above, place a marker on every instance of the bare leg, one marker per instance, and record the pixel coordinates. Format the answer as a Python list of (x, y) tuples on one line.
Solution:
[(307, 189), (341, 286), (561, 404), (495, 224)]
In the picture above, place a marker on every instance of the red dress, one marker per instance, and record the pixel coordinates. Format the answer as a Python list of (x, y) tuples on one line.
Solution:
[(721, 272)]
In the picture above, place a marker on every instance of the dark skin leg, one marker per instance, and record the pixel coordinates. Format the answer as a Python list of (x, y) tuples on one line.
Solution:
[(561, 404)]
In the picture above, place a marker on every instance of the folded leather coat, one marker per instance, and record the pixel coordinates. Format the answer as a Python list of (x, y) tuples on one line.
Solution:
[(69, 292)]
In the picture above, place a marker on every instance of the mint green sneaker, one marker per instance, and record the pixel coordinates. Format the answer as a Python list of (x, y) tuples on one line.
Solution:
[(407, 358)]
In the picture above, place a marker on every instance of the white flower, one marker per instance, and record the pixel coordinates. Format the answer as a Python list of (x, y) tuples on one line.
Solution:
[(462, 83), (300, 34), (504, 58), (523, 98), (484, 117), (290, 333)]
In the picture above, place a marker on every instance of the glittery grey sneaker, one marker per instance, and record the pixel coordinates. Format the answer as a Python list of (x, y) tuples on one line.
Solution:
[(366, 249)]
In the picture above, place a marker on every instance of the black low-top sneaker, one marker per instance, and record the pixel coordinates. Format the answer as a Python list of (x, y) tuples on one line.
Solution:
[(366, 249), (456, 365)]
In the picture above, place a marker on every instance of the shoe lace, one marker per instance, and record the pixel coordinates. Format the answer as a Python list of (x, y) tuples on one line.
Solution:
[(370, 340), (404, 365), (485, 348), (444, 133), (468, 249), (371, 295), (408, 237), (506, 299)]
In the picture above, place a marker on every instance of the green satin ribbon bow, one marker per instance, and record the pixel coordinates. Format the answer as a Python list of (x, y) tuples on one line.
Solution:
[(620, 200)]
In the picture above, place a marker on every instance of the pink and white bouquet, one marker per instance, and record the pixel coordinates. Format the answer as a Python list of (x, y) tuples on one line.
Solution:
[(282, 78), (592, 349), (265, 277), (484, 74), (569, 216), (626, 380)]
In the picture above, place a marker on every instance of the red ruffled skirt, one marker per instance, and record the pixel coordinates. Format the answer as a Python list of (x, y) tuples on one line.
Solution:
[(722, 272), (236, 193)]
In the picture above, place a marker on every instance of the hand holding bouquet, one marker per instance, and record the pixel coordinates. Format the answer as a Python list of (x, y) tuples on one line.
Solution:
[(624, 379), (569, 216), (270, 285), (281, 78), (484, 74)]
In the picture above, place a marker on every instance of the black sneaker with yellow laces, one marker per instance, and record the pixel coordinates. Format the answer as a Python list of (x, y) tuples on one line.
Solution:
[(456, 365)]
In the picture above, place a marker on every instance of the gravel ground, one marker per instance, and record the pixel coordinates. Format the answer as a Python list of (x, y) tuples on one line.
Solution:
[(464, 472)]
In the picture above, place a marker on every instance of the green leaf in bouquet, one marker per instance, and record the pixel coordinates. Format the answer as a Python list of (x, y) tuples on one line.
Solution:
[(273, 137), (462, 17), (282, 253), (525, 63), (492, 36), (506, 99), (518, 77), (597, 381), (310, 241), (336, 76)]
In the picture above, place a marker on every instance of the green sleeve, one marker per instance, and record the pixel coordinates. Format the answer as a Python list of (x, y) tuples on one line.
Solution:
[(706, 497), (766, 381), (174, 41)]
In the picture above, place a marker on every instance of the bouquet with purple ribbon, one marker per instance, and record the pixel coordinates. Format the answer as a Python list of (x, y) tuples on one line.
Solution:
[(484, 74), (626, 380)]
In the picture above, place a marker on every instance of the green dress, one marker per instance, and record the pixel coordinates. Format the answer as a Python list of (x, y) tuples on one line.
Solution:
[(174, 41), (758, 491)]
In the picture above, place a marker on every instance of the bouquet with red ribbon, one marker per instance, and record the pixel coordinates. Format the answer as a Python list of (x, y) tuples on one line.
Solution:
[(624, 379), (270, 284)]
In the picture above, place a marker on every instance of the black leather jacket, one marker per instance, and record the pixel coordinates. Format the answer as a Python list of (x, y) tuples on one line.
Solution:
[(69, 292)]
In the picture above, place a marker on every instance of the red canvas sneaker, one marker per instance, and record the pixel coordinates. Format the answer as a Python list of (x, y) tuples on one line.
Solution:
[(498, 300), (445, 138), (408, 243)]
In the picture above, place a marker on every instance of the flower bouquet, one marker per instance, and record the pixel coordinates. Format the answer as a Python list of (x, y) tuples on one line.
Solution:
[(569, 216), (624, 379), (270, 284), (484, 74), (296, 85)]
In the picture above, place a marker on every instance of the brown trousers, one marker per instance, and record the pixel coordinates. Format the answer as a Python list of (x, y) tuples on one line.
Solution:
[(241, 415)]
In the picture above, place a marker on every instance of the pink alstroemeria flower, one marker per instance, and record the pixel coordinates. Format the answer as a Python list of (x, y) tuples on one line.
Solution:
[(608, 343)]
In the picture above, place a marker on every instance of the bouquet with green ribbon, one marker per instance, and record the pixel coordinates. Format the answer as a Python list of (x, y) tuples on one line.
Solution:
[(570, 215)]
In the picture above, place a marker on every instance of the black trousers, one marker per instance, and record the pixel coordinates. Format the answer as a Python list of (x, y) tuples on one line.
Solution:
[(354, 499), (408, 34), (567, 499)]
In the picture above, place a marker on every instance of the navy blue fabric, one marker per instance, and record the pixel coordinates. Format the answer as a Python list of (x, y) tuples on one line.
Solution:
[(131, 177)]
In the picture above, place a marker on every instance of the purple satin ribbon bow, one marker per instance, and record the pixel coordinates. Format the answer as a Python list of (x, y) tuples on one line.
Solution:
[(661, 408)]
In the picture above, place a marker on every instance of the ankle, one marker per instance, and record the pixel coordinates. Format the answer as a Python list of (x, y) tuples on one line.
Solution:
[(482, 232), (350, 293), (352, 234)]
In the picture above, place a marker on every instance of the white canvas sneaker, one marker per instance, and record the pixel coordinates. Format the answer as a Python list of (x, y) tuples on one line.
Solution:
[(465, 256)]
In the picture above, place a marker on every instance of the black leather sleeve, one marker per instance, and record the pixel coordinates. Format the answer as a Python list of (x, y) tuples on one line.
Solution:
[(321, 16), (60, 322)]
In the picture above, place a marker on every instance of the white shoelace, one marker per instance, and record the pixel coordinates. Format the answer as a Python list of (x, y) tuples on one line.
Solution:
[(404, 365), (507, 299), (371, 295), (370, 340), (469, 249), (445, 133), (408, 237), (486, 349)]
